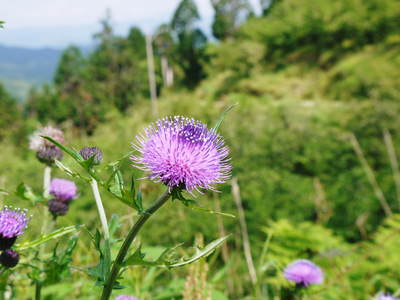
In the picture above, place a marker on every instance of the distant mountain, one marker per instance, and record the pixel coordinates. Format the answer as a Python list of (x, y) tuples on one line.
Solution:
[(21, 68)]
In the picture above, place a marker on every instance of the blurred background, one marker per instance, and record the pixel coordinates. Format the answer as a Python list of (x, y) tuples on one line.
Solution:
[(314, 138)]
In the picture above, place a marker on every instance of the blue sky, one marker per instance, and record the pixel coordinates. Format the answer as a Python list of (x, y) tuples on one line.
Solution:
[(57, 23)]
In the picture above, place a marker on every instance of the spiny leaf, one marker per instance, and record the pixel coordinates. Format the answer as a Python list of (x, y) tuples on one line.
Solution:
[(71, 152), (69, 172), (222, 116), (47, 237), (204, 252)]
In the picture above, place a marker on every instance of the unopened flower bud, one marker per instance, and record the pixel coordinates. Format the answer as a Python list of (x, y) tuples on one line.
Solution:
[(88, 152), (9, 258), (58, 208)]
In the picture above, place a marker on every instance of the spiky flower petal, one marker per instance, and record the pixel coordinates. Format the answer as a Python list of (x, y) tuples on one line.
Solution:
[(303, 272), (12, 224), (182, 152)]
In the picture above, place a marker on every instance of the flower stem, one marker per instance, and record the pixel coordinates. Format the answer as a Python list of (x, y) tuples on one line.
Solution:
[(46, 181), (127, 243), (100, 208)]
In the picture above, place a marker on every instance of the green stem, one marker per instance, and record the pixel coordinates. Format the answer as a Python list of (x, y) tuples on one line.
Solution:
[(38, 290), (118, 263)]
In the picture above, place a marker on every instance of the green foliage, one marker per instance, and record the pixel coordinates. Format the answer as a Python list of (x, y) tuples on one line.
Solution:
[(9, 113)]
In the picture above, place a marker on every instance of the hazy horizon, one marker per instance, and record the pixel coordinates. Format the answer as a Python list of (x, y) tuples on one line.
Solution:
[(58, 23)]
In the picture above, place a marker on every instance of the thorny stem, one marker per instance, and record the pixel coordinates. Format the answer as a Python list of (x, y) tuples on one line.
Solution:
[(100, 208), (127, 243)]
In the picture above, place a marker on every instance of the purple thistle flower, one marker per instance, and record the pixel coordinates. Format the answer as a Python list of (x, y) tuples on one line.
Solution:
[(386, 297), (63, 189), (9, 258), (182, 152), (46, 152), (125, 297), (303, 272), (12, 224)]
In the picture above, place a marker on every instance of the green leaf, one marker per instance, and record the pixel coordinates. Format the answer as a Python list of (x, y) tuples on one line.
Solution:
[(204, 252), (71, 152), (222, 116), (47, 237), (101, 270), (25, 192), (69, 172), (165, 260), (3, 192)]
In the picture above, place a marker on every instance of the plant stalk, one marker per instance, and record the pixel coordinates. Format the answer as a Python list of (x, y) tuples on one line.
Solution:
[(38, 290), (46, 181), (118, 263), (100, 208)]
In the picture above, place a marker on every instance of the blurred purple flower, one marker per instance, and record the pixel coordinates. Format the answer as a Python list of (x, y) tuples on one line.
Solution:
[(182, 152), (303, 272), (12, 224), (386, 297), (58, 208), (63, 189), (46, 151), (125, 297)]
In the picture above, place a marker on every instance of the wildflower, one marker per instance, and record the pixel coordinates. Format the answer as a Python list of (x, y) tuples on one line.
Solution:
[(125, 297), (12, 224), (88, 152), (303, 272), (46, 151), (58, 208), (386, 297), (183, 153), (63, 190), (9, 258)]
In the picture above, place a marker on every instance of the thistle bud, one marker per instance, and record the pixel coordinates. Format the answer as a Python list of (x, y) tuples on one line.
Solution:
[(58, 208), (88, 152), (9, 258)]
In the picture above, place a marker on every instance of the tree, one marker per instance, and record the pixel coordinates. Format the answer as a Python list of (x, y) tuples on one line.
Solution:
[(229, 14), (164, 42), (190, 42), (69, 67)]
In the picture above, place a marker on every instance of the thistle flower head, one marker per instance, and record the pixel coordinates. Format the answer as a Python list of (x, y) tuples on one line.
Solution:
[(125, 297), (63, 189), (386, 297), (88, 152), (303, 272), (46, 152), (182, 152), (12, 224), (37, 142), (9, 258)]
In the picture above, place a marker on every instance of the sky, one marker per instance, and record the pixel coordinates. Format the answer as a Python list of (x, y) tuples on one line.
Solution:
[(58, 23)]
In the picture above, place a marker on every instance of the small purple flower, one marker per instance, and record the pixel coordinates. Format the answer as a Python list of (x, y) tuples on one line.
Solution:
[(12, 224), (88, 152), (303, 272), (46, 151), (9, 258), (63, 189), (386, 297), (182, 152), (125, 297)]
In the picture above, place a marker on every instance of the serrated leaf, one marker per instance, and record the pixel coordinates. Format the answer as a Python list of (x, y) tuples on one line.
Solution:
[(222, 116), (47, 237), (101, 270), (26, 193), (204, 252)]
